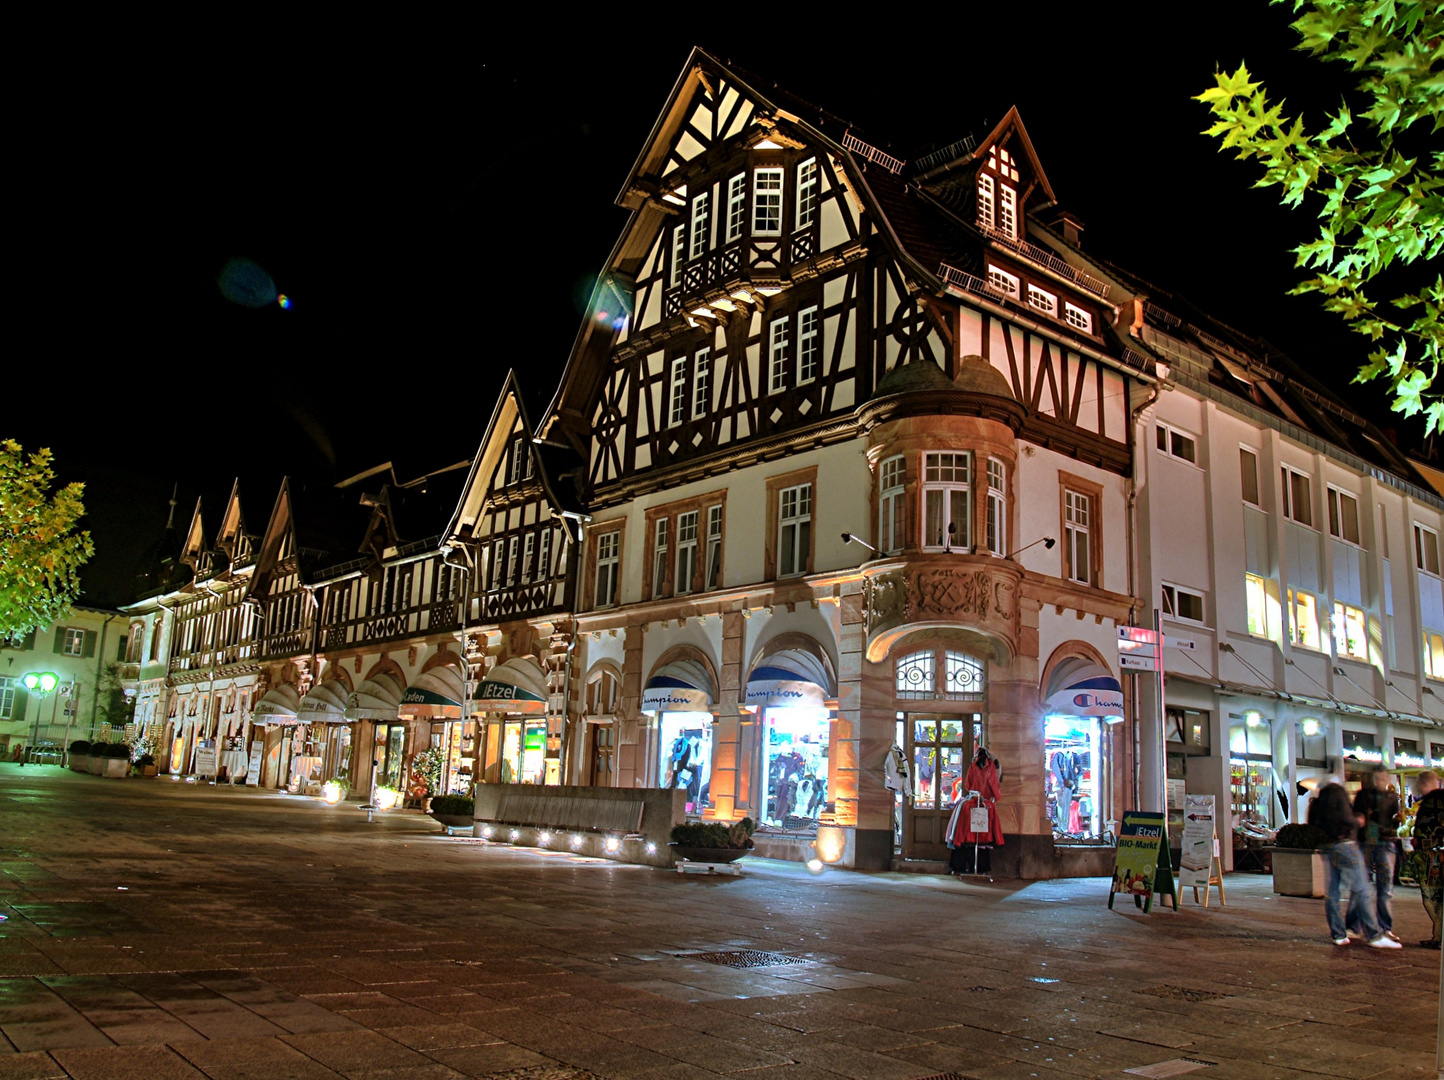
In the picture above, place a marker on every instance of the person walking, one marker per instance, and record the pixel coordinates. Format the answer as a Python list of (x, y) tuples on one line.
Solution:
[(1332, 812), (1378, 804), (1428, 841)]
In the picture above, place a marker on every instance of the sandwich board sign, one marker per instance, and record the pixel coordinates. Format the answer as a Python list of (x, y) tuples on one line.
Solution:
[(1198, 864), (1141, 866)]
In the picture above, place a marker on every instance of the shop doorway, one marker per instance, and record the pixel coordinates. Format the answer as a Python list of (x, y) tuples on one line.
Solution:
[(604, 749), (939, 748), (1073, 757), (390, 754), (685, 760), (523, 751)]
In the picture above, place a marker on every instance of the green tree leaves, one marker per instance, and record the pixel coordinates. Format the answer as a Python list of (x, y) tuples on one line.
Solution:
[(1379, 207), (40, 552)]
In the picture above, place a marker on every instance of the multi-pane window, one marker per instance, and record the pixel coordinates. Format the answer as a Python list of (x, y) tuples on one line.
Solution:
[(1077, 536), (767, 202), (1182, 603), (736, 206), (498, 560), (659, 559), (1077, 318), (686, 551), (794, 530), (7, 698), (517, 453), (1343, 515), (1002, 161), (701, 219), (891, 500), (1256, 598), (1248, 474), (777, 354), (946, 519), (997, 509), (985, 201), (714, 547), (806, 192), (1350, 632), (609, 547), (809, 348), (1045, 302), (1003, 281), (1433, 654), (1426, 549), (677, 394), (527, 557), (513, 564), (74, 644), (1297, 502), (544, 561), (1174, 442), (917, 676), (1007, 211), (1304, 619), (701, 382), (679, 255)]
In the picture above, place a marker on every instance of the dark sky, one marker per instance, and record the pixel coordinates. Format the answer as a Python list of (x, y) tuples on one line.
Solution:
[(435, 199)]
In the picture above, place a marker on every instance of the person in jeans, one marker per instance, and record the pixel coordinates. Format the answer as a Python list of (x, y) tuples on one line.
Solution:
[(1332, 812), (1378, 803), (1429, 842)]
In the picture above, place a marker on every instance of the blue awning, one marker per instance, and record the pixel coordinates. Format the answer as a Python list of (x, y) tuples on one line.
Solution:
[(679, 686)]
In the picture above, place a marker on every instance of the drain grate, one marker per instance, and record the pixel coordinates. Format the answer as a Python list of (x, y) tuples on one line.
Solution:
[(943, 1076), (974, 990), (1182, 993), (1173, 1067), (743, 958)]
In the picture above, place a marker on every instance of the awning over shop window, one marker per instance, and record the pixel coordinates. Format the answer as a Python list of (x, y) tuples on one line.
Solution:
[(325, 704), (375, 699), (790, 678), (514, 686), (435, 693), (1081, 688), (279, 706), (679, 686)]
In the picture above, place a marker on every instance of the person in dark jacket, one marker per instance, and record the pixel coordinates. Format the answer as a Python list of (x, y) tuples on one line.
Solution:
[(1378, 803), (1332, 812), (1429, 842)]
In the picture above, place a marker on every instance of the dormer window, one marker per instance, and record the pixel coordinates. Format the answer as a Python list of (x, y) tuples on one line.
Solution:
[(1002, 163), (986, 205), (998, 200), (1045, 302), (1078, 318), (1003, 281), (1007, 211), (767, 202)]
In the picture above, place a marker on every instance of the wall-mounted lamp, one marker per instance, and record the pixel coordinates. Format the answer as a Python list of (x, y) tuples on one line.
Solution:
[(849, 538), (1047, 543)]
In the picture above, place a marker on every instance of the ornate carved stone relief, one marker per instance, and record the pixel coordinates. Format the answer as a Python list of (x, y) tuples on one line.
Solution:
[(977, 593)]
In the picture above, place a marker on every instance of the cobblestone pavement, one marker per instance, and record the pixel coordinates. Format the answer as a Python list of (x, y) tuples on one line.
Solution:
[(158, 929)]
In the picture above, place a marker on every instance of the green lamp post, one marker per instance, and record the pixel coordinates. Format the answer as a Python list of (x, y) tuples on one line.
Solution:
[(41, 684)]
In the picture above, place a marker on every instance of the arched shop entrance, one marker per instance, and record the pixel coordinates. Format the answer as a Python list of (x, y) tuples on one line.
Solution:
[(792, 692), (1081, 700), (679, 698), (433, 705), (373, 706), (274, 731), (326, 749), (514, 695)]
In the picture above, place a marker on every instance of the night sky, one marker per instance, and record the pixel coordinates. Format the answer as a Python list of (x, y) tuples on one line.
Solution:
[(436, 200)]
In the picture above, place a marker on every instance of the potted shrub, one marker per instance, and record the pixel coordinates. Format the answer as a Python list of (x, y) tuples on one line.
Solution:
[(144, 765), (712, 841), (456, 811), (99, 754), (117, 760), (1300, 867), (79, 755)]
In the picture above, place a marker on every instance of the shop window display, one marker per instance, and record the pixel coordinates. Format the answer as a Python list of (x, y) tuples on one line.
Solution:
[(1072, 756), (390, 745), (523, 752), (460, 749), (795, 778), (685, 763), (1254, 789)]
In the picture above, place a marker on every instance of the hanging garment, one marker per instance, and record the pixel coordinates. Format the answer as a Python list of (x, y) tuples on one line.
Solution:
[(984, 780), (896, 774), (953, 824), (1074, 822)]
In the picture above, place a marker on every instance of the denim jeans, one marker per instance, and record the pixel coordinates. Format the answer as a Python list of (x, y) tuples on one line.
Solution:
[(1380, 859), (1346, 868)]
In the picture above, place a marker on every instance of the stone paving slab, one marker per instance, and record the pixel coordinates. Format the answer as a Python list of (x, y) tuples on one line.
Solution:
[(234, 935)]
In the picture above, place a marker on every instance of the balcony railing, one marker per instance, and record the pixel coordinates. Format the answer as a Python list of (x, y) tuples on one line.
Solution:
[(871, 153), (1043, 257)]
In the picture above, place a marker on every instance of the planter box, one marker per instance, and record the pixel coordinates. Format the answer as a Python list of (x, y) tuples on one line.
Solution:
[(79, 762), (1300, 873), (454, 821), (117, 767), (97, 765), (709, 854)]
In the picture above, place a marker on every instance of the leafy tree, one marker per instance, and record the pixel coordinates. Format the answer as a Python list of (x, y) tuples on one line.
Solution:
[(41, 552), (1377, 171)]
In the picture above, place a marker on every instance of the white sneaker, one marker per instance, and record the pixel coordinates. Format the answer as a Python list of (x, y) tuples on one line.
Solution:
[(1341, 941), (1381, 942)]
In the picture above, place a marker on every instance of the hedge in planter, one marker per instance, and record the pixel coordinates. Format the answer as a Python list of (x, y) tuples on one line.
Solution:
[(80, 755), (457, 811), (1300, 867)]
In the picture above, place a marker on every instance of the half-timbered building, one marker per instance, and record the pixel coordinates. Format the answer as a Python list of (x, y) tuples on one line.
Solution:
[(800, 339)]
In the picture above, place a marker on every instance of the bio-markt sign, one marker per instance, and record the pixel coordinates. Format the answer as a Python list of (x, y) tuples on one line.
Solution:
[(1141, 865)]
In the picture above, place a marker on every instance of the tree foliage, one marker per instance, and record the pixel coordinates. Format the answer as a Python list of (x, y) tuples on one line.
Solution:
[(41, 552), (1376, 172)]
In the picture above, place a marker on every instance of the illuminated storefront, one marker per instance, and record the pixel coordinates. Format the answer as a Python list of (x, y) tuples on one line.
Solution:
[(517, 743), (679, 698), (326, 752), (789, 692), (372, 706), (1083, 700), (274, 732), (1256, 790), (432, 703)]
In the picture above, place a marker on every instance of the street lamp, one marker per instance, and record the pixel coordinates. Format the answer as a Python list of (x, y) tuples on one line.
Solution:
[(39, 683)]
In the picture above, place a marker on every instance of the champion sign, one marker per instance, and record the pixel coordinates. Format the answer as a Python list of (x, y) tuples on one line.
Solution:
[(1099, 701)]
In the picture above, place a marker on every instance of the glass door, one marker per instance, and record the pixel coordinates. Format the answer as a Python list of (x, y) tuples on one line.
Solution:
[(939, 748)]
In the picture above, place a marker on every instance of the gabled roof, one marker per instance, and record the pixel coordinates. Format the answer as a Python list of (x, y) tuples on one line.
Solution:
[(325, 527), (194, 544), (1008, 133)]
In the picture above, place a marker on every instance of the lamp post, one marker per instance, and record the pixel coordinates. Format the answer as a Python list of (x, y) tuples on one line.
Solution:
[(41, 684)]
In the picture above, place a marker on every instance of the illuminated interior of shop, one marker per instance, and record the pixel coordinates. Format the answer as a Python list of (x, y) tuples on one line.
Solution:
[(523, 751), (685, 760), (795, 766), (460, 751), (390, 746), (1255, 791), (1072, 747)]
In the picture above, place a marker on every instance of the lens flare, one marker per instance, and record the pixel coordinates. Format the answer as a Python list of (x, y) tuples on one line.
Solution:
[(284, 301)]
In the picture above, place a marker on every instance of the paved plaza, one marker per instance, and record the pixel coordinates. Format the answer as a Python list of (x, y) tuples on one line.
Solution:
[(160, 930)]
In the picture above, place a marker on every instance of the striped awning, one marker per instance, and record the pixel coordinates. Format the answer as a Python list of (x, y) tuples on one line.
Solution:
[(279, 705), (325, 704), (790, 678), (375, 699), (435, 693), (513, 686), (1081, 688), (678, 686)]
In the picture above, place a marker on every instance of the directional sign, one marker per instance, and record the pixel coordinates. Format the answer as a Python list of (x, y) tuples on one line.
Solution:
[(1137, 661), (1180, 643), (1139, 635)]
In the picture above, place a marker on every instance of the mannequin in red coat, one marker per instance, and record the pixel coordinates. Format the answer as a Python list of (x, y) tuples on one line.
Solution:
[(983, 776)]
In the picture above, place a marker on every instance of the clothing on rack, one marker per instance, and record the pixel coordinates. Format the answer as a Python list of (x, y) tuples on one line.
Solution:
[(983, 791), (896, 774)]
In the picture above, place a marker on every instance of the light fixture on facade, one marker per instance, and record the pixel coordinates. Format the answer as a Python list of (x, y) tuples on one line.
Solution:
[(1046, 541), (487, 832), (613, 845), (1311, 727), (1252, 718), (544, 838), (651, 848), (576, 841), (515, 835), (849, 538)]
